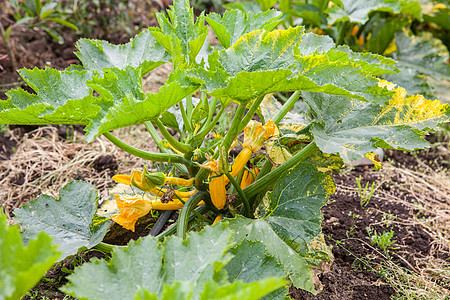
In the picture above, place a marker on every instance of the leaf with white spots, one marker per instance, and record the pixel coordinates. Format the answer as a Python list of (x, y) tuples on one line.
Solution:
[(147, 264), (70, 220), (292, 221), (353, 128)]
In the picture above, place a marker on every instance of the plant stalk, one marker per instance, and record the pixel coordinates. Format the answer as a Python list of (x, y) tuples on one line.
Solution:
[(164, 157), (173, 228), (185, 118), (155, 136), (172, 141), (287, 106), (244, 198), (268, 180), (233, 130), (201, 135), (251, 112), (189, 206)]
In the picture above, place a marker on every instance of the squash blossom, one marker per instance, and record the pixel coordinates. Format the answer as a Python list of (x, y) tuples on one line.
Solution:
[(248, 177), (254, 136), (131, 208), (217, 189), (148, 182)]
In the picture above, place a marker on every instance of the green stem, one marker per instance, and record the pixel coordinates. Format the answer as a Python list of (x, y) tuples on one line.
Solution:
[(250, 113), (244, 199), (264, 170), (196, 213), (287, 106), (233, 130), (189, 206), (267, 181), (185, 118), (172, 141), (201, 135), (165, 157), (155, 136), (342, 32), (9, 48), (105, 247), (212, 109), (173, 228)]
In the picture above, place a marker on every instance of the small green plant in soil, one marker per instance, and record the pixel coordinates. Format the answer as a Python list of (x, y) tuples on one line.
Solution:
[(365, 195), (266, 204), (44, 15), (383, 240)]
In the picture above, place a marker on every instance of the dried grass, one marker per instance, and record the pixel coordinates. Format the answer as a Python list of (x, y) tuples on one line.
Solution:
[(430, 191), (42, 164)]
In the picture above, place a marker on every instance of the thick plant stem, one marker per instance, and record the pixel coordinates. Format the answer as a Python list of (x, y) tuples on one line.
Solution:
[(251, 112), (173, 228), (155, 136), (165, 157), (201, 135), (196, 213), (267, 181), (212, 109), (233, 130), (185, 212), (185, 118), (172, 141), (107, 248), (342, 32), (9, 48), (287, 106), (244, 198), (163, 217)]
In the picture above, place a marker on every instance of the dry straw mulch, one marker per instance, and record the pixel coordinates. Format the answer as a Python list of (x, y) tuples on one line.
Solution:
[(43, 163)]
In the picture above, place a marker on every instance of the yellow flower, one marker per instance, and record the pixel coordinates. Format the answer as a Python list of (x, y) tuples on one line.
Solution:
[(131, 208)]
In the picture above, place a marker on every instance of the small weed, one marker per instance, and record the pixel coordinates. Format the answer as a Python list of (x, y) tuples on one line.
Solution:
[(364, 200), (353, 224), (387, 219), (383, 240)]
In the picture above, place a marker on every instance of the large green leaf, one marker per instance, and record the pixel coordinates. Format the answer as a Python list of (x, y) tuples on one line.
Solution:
[(292, 221), (251, 263), (22, 267), (141, 51), (422, 61), (124, 103), (147, 264), (69, 220), (352, 128), (238, 290), (69, 100), (183, 290), (380, 31), (294, 212), (235, 23), (263, 62), (181, 34), (357, 11), (57, 99), (295, 266)]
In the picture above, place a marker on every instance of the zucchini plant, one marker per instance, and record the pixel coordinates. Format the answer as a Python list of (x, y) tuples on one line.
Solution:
[(269, 196)]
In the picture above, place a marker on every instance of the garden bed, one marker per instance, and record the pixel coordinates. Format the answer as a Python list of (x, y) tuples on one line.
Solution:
[(411, 198)]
